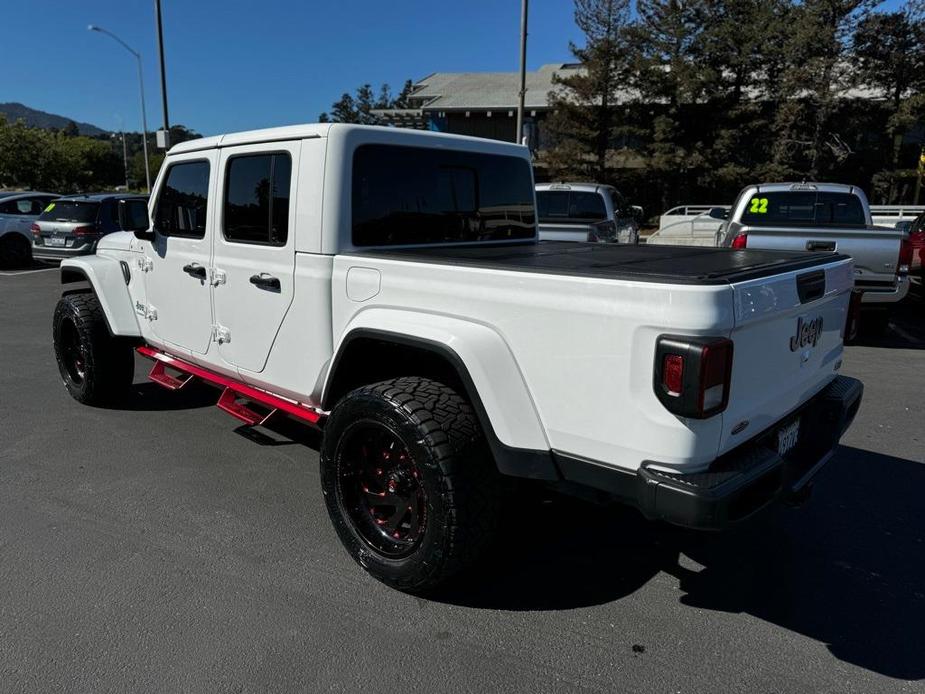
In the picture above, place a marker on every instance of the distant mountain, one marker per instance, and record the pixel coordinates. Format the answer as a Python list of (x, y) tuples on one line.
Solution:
[(40, 119)]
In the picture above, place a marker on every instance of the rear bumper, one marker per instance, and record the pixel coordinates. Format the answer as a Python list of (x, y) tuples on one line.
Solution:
[(62, 252), (888, 294), (739, 483)]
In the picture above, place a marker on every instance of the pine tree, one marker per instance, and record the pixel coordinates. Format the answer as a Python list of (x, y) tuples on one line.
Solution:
[(819, 74), (890, 52), (585, 106), (669, 76)]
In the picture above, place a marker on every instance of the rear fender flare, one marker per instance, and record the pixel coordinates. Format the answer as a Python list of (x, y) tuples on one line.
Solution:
[(482, 360), (107, 279)]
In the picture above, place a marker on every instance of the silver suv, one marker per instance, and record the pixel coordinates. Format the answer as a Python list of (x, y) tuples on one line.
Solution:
[(18, 209), (586, 212), (74, 224)]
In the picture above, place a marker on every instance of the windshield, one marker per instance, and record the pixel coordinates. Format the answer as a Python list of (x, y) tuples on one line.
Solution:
[(803, 208), (70, 211)]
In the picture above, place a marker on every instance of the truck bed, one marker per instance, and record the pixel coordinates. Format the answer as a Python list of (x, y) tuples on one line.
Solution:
[(665, 264)]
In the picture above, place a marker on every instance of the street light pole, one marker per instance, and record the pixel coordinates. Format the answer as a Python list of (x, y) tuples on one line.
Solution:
[(160, 53), (523, 71), (141, 85)]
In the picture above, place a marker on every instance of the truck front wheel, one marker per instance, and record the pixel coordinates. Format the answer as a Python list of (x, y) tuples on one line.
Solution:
[(96, 367), (408, 482)]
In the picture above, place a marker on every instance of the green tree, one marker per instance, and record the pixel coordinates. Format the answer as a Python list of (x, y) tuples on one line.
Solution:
[(585, 123), (818, 76), (669, 75), (358, 107), (890, 52)]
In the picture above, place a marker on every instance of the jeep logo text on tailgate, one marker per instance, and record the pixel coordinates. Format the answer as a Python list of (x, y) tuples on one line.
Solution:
[(807, 333)]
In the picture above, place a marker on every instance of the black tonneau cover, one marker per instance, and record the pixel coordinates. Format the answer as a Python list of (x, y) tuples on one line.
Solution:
[(672, 264)]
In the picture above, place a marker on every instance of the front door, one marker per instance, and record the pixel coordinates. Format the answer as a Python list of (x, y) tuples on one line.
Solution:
[(177, 262), (254, 250)]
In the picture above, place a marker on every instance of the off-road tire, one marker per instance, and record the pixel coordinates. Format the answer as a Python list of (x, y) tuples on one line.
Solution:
[(15, 251), (81, 337), (461, 483)]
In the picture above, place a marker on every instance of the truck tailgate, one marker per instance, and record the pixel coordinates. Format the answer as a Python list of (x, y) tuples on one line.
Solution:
[(787, 345), (875, 250)]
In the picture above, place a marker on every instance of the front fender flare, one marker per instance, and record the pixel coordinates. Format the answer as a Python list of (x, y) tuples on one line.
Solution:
[(108, 281)]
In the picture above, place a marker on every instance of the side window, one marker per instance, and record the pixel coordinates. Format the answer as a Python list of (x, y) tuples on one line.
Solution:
[(182, 203), (257, 199), (24, 206), (134, 215), (114, 213)]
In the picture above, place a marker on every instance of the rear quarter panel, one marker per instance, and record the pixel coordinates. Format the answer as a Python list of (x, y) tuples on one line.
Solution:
[(584, 348)]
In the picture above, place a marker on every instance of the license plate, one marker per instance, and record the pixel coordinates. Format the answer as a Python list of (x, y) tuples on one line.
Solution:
[(54, 241), (787, 437)]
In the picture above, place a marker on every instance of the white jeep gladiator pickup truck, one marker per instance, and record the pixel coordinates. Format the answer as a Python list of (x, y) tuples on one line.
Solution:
[(387, 287)]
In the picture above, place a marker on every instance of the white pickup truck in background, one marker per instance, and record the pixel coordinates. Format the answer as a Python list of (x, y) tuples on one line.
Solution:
[(386, 286)]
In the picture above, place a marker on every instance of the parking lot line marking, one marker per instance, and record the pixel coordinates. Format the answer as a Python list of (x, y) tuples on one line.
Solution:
[(26, 272)]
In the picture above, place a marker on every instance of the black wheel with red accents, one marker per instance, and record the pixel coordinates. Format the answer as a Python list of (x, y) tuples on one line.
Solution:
[(96, 367), (408, 481)]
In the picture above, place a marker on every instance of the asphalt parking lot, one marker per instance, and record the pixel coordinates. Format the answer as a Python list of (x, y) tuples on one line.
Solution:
[(156, 548)]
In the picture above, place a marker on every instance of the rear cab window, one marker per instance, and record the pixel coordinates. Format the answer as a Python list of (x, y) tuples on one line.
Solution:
[(182, 203), (570, 205), (412, 195), (804, 208), (83, 212)]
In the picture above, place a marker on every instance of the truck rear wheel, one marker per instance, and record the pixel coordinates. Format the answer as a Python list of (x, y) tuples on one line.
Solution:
[(408, 482), (96, 367)]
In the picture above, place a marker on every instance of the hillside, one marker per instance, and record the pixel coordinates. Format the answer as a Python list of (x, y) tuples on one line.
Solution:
[(40, 119)]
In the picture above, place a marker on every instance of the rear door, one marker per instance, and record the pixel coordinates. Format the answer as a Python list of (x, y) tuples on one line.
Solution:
[(254, 249), (177, 262)]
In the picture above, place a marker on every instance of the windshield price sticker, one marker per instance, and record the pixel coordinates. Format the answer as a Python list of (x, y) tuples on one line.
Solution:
[(759, 206)]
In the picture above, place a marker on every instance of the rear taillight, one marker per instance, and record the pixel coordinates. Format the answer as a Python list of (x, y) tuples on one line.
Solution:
[(853, 319), (85, 231), (740, 241), (36, 231), (692, 374), (673, 374), (905, 257)]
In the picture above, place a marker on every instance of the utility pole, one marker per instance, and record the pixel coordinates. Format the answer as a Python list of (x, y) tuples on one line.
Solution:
[(160, 52), (523, 71), (141, 88), (920, 174)]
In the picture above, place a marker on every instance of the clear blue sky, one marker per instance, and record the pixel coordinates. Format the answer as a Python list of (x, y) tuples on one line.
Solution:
[(234, 65)]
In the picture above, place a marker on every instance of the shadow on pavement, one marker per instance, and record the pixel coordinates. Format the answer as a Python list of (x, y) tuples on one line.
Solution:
[(906, 329), (151, 397), (846, 570)]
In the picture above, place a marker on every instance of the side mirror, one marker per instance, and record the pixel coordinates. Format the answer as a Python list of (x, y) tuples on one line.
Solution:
[(144, 234), (719, 213), (637, 212)]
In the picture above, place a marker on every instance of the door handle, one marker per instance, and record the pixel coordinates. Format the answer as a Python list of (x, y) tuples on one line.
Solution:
[(195, 270), (265, 281), (820, 245)]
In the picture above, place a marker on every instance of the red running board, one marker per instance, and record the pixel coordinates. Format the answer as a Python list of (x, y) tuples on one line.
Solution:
[(233, 394)]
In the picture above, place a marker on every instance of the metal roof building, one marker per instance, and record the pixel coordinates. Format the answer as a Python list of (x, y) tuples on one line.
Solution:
[(483, 104)]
